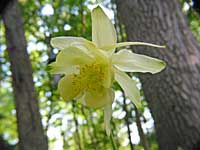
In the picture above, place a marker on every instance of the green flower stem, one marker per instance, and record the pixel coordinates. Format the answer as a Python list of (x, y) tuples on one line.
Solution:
[(113, 141)]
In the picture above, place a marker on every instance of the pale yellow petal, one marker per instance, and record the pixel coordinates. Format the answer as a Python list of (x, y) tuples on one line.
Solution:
[(116, 45), (103, 31), (74, 56), (62, 69), (129, 87), (107, 73), (97, 99), (108, 77), (108, 116), (127, 61), (69, 87), (69, 60), (64, 42)]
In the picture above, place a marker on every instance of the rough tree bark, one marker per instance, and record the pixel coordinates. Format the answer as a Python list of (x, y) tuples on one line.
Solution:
[(31, 136), (173, 95)]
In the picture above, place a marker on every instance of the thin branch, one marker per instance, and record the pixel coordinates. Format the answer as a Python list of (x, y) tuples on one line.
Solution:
[(127, 122), (143, 138)]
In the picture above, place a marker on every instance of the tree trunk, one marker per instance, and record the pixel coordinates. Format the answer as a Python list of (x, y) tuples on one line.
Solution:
[(173, 95), (31, 136)]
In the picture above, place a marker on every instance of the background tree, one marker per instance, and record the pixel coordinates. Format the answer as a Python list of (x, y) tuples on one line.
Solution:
[(30, 130), (173, 95)]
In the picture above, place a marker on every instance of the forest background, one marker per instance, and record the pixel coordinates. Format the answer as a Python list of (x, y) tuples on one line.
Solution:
[(32, 113)]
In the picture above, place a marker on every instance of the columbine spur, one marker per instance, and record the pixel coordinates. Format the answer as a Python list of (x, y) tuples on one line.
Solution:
[(90, 68)]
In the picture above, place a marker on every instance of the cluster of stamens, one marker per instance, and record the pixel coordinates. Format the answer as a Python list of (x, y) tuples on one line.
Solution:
[(90, 77)]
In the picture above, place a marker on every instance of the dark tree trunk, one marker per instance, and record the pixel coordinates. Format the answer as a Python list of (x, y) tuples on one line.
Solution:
[(3, 5), (31, 136), (174, 94), (196, 5)]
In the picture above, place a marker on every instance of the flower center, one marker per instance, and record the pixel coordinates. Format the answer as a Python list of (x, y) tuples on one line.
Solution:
[(93, 76)]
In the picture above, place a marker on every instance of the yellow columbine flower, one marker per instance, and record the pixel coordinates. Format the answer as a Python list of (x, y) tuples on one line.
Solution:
[(90, 68)]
